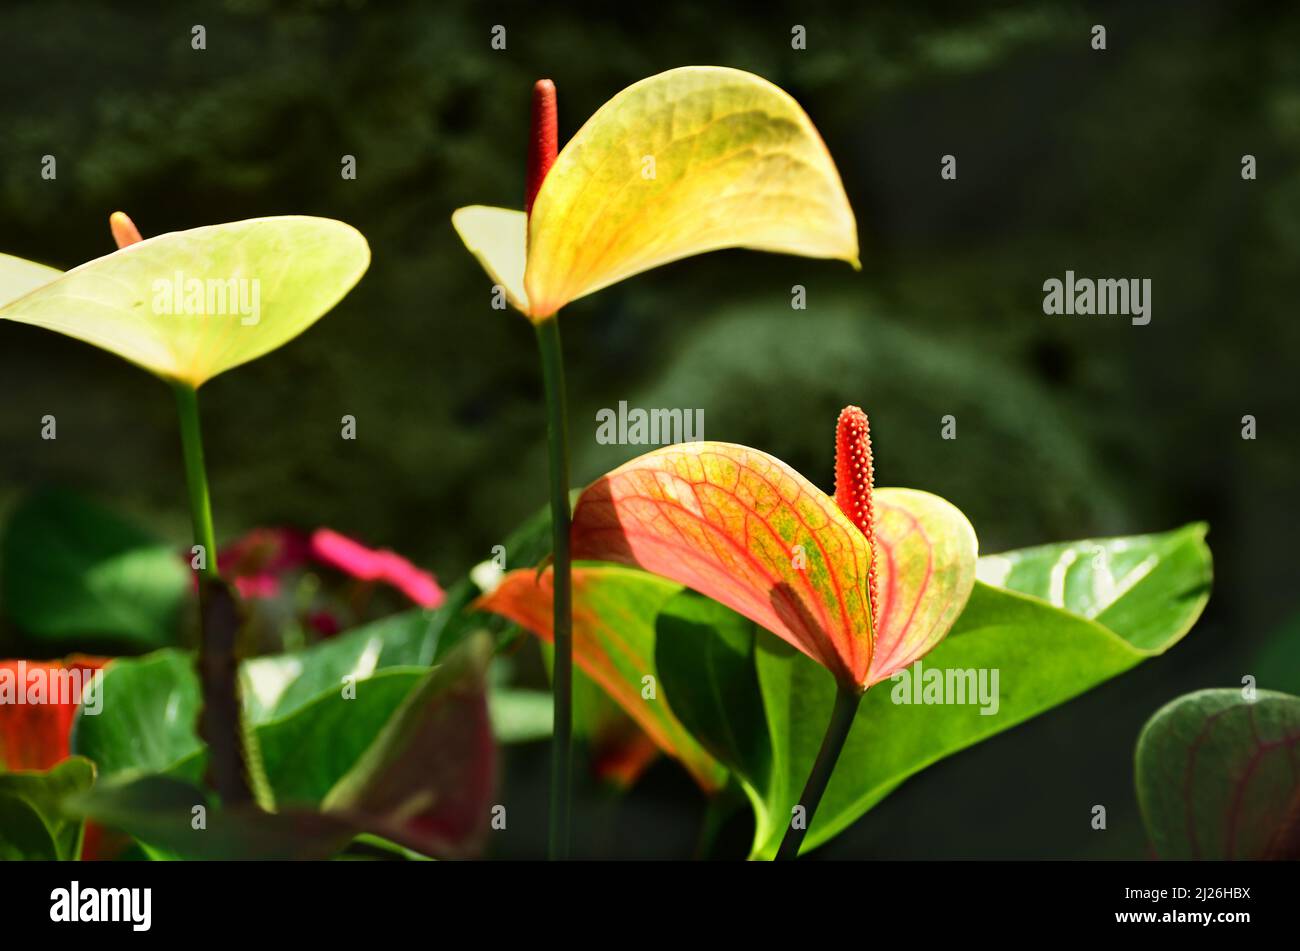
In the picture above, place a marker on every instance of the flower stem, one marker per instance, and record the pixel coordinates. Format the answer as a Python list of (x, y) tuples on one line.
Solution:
[(220, 719), (847, 699), (557, 433)]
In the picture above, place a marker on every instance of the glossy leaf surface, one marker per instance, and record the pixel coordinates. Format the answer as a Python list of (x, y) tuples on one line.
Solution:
[(1042, 656)]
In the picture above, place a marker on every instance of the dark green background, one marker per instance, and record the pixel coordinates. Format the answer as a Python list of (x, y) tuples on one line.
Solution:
[(1122, 163)]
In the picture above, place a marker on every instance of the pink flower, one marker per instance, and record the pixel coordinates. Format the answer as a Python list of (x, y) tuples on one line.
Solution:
[(352, 558)]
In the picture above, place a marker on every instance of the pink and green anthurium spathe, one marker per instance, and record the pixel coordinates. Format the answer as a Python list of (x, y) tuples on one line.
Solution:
[(865, 582)]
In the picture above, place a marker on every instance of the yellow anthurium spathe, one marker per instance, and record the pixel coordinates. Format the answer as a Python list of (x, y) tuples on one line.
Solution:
[(192, 304), (692, 160), (19, 277)]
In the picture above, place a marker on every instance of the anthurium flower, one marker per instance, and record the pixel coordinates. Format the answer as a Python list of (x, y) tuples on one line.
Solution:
[(864, 583), (257, 561), (369, 564), (192, 304), (692, 160), (36, 733)]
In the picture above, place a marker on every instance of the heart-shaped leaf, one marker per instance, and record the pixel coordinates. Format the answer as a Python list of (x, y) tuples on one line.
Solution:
[(427, 779), (745, 529), (402, 752), (1217, 776), (1024, 654), (76, 574), (192, 304), (1142, 586), (33, 823), (691, 160), (310, 733), (613, 642)]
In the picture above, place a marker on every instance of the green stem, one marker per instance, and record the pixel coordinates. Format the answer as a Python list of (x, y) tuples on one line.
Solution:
[(196, 477), (847, 699), (220, 720), (557, 433)]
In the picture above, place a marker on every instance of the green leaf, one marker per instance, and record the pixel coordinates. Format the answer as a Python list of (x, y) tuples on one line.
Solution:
[(420, 773), (1217, 776), (1140, 586), (309, 734), (147, 718), (427, 780), (176, 819), (24, 836), (33, 822), (278, 684), (709, 650), (1042, 655), (76, 575), (260, 283), (308, 750)]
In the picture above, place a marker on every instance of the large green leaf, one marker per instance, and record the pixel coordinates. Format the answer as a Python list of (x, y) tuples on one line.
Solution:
[(278, 684), (307, 751), (33, 823), (309, 732), (176, 819), (406, 754), (1042, 655), (1217, 776), (147, 718), (77, 576), (1140, 586), (427, 779), (192, 304)]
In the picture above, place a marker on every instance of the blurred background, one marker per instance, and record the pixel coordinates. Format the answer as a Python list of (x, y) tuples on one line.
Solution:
[(1117, 163)]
